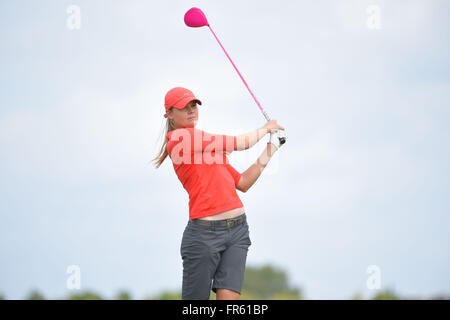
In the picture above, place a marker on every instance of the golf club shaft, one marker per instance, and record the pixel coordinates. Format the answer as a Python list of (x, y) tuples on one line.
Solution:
[(256, 100)]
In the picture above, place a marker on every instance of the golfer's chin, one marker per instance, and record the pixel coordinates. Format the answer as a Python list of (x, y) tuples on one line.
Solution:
[(191, 123)]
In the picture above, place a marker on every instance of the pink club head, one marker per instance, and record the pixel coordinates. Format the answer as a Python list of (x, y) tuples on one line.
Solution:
[(195, 18)]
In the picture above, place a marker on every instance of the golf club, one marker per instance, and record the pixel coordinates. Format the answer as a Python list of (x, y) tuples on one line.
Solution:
[(195, 18)]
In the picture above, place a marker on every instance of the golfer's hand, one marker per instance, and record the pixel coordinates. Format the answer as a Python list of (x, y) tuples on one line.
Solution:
[(278, 138), (272, 125)]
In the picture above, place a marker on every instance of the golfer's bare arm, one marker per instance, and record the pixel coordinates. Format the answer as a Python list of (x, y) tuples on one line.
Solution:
[(248, 140), (252, 174)]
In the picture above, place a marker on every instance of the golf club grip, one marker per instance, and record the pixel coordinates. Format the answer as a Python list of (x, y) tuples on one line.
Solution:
[(242, 78), (265, 115)]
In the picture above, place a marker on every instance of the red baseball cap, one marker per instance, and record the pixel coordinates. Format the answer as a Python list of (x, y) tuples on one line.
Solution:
[(178, 98)]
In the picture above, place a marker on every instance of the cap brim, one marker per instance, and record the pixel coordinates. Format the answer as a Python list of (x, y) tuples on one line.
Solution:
[(182, 103)]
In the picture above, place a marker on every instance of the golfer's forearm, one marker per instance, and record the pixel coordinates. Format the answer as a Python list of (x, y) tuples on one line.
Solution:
[(252, 174), (248, 140)]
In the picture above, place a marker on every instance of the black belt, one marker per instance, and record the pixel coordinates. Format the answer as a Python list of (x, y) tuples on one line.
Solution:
[(229, 223)]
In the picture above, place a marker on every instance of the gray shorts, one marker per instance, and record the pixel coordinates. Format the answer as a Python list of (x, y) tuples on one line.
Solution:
[(213, 256)]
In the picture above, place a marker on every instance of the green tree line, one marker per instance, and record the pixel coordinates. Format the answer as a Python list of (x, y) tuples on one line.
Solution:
[(264, 283)]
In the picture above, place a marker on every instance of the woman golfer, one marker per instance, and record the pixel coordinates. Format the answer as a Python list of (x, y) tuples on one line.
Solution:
[(216, 238)]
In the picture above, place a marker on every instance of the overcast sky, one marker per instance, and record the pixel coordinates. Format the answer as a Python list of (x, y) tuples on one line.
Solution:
[(362, 180)]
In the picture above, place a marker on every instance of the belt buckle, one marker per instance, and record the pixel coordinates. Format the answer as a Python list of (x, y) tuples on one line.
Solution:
[(230, 223)]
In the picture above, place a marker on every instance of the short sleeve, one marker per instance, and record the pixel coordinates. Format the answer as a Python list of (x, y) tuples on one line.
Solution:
[(218, 142), (200, 140), (234, 173)]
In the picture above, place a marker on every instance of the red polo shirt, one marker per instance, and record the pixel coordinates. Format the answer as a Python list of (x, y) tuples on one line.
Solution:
[(204, 170)]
